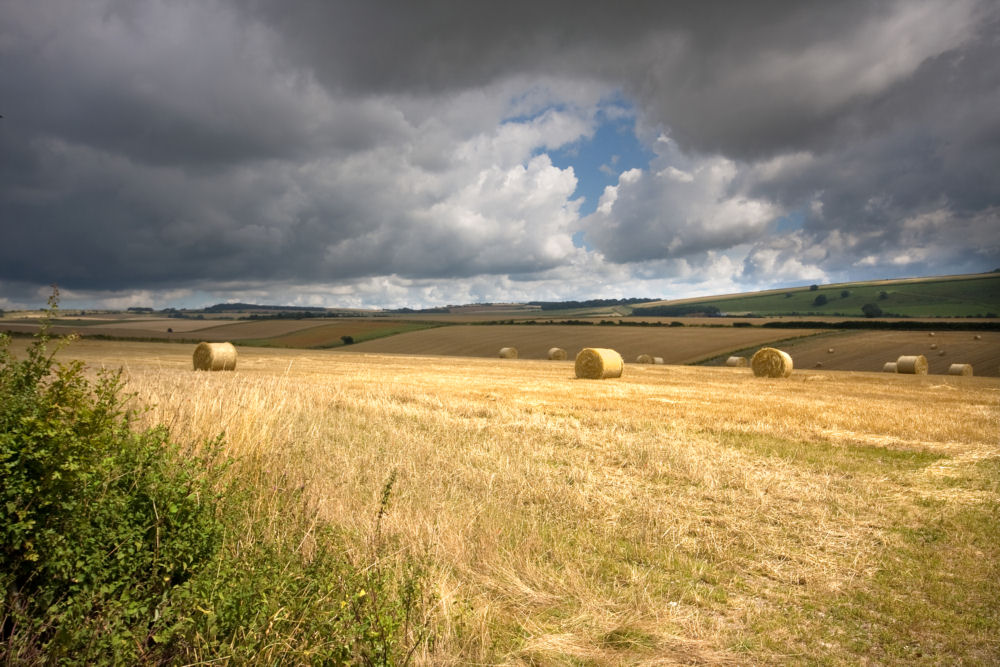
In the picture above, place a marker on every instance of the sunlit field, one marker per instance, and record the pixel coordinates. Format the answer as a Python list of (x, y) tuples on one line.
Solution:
[(673, 515)]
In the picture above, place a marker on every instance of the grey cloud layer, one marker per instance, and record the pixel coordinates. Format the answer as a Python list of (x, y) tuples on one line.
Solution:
[(161, 145)]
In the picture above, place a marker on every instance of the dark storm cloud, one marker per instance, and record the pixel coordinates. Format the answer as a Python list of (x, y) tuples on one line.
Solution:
[(160, 144), (916, 168), (743, 79)]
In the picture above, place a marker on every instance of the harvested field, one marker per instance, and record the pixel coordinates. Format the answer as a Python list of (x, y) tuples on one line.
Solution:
[(307, 332), (676, 345), (138, 329), (160, 324), (209, 329), (869, 350), (328, 335), (642, 520)]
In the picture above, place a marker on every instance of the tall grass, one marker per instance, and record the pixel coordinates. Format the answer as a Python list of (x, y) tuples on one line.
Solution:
[(675, 514)]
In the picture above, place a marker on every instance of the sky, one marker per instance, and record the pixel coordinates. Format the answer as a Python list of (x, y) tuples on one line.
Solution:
[(387, 154)]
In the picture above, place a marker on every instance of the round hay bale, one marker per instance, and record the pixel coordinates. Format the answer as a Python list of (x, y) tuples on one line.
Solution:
[(977, 337), (829, 350), (889, 367), (771, 363), (960, 369), (931, 334), (596, 363), (214, 357), (644, 359), (736, 362), (819, 364), (508, 353), (912, 364), (658, 361), (941, 353), (557, 353), (933, 346)]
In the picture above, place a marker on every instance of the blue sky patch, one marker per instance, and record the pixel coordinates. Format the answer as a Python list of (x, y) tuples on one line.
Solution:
[(599, 160)]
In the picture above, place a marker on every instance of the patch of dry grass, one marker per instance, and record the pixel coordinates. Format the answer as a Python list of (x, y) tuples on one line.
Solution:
[(673, 515)]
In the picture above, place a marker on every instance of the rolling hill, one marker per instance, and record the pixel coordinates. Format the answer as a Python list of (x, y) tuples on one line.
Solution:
[(976, 295)]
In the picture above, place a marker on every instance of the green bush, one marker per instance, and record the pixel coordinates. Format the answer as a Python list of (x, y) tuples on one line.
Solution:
[(118, 547), (99, 521), (871, 310)]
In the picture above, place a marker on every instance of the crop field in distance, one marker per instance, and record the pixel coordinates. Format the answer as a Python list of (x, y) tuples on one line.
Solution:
[(678, 514), (974, 295), (869, 350), (676, 345)]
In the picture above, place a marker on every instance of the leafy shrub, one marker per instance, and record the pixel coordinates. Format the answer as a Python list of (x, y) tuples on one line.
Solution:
[(116, 547), (845, 293), (871, 310), (820, 300), (99, 522)]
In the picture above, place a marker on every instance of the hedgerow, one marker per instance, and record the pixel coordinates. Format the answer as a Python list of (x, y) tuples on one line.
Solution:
[(118, 546)]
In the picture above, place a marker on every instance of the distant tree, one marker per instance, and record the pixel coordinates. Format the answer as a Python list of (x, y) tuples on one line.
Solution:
[(788, 295), (845, 293), (348, 340), (882, 296), (813, 288), (820, 300), (871, 310)]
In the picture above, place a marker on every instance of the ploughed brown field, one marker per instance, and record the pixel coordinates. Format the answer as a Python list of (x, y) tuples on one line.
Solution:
[(311, 332), (869, 350), (677, 345)]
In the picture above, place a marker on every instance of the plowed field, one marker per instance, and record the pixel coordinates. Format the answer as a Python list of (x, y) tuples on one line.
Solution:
[(677, 345), (869, 350)]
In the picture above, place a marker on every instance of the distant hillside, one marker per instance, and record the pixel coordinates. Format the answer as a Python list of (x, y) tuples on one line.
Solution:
[(975, 295)]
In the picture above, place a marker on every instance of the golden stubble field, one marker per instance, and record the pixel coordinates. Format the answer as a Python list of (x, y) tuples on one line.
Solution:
[(676, 515)]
